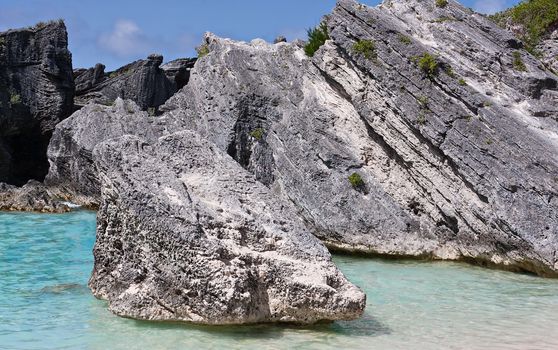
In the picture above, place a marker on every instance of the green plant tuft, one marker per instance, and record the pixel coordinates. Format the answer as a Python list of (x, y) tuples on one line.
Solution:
[(518, 63), (202, 50), (428, 64), (462, 82), (441, 3), (356, 181), (316, 38), (404, 39), (367, 48), (257, 133), (15, 99)]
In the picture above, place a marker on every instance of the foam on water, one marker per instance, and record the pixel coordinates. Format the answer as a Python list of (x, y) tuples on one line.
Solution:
[(45, 262)]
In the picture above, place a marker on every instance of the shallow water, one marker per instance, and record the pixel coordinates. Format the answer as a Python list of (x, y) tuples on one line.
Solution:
[(45, 261)]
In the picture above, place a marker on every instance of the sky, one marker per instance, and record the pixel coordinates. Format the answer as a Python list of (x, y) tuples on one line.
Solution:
[(117, 32)]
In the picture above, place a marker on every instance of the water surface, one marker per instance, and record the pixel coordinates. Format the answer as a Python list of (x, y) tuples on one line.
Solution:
[(45, 261)]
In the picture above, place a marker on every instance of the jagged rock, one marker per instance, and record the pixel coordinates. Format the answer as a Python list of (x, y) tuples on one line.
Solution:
[(36, 92), (280, 39), (143, 82), (549, 50), (34, 196), (70, 151), (185, 234), (178, 71), (458, 165)]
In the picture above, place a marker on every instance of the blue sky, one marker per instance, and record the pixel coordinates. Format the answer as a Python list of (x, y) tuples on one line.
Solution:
[(119, 31)]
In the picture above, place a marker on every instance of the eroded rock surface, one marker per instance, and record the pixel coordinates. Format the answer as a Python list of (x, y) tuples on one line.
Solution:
[(143, 82), (185, 234), (36, 92), (461, 164), (33, 196)]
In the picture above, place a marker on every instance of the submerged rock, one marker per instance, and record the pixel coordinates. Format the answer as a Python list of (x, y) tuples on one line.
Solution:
[(36, 92), (185, 234)]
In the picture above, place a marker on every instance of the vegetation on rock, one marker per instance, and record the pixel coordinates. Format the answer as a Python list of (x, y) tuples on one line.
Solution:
[(442, 3), (428, 64), (316, 38), (356, 181), (202, 50), (257, 133), (537, 17), (367, 48), (518, 63)]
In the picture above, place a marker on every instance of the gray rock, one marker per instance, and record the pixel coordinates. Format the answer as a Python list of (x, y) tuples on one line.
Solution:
[(36, 92), (70, 151), (143, 82), (449, 172), (178, 71), (280, 39), (185, 234), (34, 196)]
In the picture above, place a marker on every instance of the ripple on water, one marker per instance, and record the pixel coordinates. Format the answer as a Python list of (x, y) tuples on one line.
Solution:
[(45, 262)]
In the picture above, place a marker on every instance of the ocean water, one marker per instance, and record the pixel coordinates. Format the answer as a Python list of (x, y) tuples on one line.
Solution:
[(45, 261)]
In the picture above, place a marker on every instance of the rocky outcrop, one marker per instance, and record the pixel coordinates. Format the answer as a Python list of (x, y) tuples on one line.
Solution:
[(178, 71), (145, 82), (33, 196), (454, 162), (36, 92), (70, 151), (185, 234)]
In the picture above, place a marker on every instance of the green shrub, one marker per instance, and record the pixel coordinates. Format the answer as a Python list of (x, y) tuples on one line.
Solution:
[(356, 181), (518, 63), (538, 17), (151, 111), (15, 99), (442, 3), (404, 39), (450, 72), (367, 48), (462, 82), (423, 101), (316, 38), (257, 133), (202, 50), (421, 119), (428, 65)]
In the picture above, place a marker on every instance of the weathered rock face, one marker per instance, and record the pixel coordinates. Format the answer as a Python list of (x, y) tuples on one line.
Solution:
[(36, 92), (178, 71), (34, 196), (185, 234), (460, 164), (70, 151), (143, 82), (549, 50)]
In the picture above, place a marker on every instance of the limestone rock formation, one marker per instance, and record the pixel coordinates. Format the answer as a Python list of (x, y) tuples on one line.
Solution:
[(449, 125), (178, 71), (33, 196), (70, 151), (143, 82), (36, 92), (185, 234)]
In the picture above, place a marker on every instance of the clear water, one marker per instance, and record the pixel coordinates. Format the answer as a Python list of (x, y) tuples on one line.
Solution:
[(45, 261)]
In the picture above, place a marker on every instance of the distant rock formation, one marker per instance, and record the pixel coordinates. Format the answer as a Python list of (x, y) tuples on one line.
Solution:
[(36, 93), (145, 82), (185, 234)]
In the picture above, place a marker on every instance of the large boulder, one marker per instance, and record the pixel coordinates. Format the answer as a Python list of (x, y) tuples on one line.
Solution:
[(185, 234), (70, 152), (380, 152), (36, 93)]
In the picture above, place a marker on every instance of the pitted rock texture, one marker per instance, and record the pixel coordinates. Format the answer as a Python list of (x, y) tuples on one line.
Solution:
[(33, 196), (178, 71), (70, 152), (143, 82), (459, 165), (185, 234), (36, 93)]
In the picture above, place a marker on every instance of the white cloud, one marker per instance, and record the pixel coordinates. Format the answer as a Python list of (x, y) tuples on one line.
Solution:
[(490, 6), (126, 39)]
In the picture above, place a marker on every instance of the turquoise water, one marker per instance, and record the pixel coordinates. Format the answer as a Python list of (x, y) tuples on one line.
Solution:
[(45, 261)]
